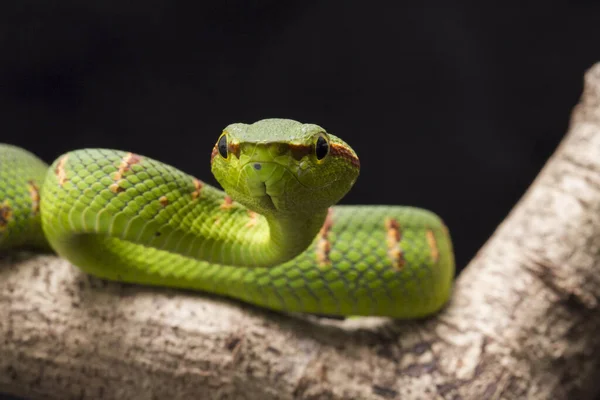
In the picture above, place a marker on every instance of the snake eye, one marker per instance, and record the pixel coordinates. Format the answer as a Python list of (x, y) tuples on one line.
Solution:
[(321, 147), (222, 145)]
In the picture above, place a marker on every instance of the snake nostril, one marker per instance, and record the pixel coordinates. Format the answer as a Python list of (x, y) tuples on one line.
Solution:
[(257, 166)]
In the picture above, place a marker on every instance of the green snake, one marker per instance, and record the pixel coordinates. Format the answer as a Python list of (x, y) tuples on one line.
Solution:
[(274, 238)]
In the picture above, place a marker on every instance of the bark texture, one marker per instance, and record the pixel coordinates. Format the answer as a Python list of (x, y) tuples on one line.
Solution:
[(523, 321)]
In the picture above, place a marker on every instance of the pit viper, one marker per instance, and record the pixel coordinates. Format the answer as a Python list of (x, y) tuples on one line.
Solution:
[(274, 237)]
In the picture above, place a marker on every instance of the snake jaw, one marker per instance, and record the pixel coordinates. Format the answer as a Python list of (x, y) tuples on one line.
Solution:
[(260, 192), (270, 200)]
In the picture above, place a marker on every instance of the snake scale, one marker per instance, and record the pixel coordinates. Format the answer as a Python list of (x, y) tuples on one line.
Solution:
[(274, 238)]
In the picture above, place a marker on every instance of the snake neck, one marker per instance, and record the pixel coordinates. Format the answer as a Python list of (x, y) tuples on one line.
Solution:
[(249, 239), (291, 235)]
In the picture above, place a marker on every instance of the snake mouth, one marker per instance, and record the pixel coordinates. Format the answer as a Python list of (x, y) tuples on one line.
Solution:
[(268, 183), (265, 198)]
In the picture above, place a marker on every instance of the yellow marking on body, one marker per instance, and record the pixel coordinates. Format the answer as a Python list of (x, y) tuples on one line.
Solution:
[(253, 219), (5, 214), (60, 171), (227, 203), (198, 187), (393, 238), (323, 243), (164, 201), (433, 248), (34, 193), (115, 188), (126, 162)]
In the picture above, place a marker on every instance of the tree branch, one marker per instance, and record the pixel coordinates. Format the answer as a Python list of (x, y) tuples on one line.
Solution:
[(523, 321)]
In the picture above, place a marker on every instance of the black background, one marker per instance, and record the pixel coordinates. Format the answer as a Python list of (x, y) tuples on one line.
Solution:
[(450, 108)]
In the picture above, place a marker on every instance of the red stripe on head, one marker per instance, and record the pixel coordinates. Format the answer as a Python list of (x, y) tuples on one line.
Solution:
[(339, 150)]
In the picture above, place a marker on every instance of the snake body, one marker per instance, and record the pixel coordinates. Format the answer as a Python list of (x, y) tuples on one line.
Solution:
[(273, 239)]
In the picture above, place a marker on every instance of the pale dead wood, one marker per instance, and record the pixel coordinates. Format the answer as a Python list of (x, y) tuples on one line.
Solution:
[(523, 322)]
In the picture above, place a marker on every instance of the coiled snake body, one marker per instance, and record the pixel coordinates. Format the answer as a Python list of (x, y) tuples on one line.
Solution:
[(273, 240)]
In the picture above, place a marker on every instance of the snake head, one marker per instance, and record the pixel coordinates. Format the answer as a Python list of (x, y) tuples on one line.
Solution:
[(283, 166)]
